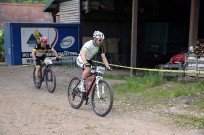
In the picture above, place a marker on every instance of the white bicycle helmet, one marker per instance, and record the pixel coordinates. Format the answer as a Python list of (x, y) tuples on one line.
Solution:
[(99, 35)]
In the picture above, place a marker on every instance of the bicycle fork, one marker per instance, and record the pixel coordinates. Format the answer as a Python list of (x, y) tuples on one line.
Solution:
[(98, 78)]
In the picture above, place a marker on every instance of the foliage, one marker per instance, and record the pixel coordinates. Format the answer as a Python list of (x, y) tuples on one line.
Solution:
[(1, 40), (1, 43)]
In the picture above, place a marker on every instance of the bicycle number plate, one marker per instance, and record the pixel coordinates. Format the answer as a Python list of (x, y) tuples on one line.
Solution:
[(100, 69), (48, 61)]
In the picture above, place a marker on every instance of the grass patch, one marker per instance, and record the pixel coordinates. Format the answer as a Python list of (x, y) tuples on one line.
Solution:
[(198, 105), (140, 84), (155, 86), (189, 121), (115, 77), (175, 91), (153, 91)]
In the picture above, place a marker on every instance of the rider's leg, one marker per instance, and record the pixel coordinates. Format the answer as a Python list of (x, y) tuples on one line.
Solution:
[(84, 75), (37, 69), (37, 72)]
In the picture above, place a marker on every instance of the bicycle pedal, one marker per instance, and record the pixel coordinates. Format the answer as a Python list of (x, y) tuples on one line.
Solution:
[(88, 103)]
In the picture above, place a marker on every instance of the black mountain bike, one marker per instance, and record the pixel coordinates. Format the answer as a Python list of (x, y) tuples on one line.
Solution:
[(46, 74), (101, 96)]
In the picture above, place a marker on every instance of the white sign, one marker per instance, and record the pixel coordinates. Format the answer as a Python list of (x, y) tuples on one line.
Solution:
[(31, 36), (69, 58), (67, 42), (27, 60)]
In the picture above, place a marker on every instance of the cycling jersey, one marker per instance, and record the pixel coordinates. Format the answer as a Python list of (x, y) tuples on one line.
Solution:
[(40, 51), (91, 48)]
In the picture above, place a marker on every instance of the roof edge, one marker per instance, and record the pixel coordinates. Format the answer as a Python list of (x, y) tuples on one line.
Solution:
[(47, 5)]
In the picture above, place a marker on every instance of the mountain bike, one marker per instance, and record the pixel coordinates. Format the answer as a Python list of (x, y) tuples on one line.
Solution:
[(46, 74), (101, 96)]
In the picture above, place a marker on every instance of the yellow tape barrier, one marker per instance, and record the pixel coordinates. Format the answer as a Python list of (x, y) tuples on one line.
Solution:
[(157, 70)]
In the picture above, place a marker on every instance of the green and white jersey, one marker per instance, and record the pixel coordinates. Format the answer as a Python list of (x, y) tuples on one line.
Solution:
[(92, 49)]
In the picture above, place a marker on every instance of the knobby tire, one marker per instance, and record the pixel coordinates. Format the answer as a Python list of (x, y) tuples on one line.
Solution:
[(75, 96), (102, 106), (50, 80)]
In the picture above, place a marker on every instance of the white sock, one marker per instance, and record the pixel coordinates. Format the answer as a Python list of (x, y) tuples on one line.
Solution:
[(82, 81)]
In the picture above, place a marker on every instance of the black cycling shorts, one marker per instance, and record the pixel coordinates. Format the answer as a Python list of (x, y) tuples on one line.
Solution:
[(38, 60)]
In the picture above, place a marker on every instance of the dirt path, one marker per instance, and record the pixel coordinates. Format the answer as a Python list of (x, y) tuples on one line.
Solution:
[(25, 110)]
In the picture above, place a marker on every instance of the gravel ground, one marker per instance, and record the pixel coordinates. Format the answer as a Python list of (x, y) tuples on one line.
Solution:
[(25, 110)]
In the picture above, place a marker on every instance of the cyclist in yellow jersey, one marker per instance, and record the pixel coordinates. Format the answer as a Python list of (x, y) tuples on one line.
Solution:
[(89, 49), (38, 53)]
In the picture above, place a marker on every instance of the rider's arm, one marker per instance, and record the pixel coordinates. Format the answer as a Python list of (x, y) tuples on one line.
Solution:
[(55, 52), (105, 61), (83, 56), (103, 56), (33, 54)]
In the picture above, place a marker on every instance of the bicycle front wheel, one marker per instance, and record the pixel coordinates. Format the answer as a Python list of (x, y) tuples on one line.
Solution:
[(75, 96), (40, 79), (50, 81), (102, 99)]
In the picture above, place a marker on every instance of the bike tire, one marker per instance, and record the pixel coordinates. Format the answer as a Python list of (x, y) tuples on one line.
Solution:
[(34, 79), (75, 96), (103, 105), (50, 81)]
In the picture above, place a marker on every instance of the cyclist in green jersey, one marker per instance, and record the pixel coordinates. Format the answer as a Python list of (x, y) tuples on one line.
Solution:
[(89, 49)]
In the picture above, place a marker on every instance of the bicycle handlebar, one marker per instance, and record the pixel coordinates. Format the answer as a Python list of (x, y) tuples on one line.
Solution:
[(97, 70)]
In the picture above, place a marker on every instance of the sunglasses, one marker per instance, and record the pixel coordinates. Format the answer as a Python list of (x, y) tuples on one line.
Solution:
[(100, 40)]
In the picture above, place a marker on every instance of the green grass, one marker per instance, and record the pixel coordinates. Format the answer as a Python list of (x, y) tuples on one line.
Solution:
[(152, 90), (140, 84), (153, 85), (198, 105), (115, 77), (189, 121)]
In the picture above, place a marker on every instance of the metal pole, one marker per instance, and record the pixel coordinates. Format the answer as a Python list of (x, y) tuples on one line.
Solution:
[(194, 18)]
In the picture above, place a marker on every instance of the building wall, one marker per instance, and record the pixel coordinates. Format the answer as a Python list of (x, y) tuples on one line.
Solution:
[(23, 13)]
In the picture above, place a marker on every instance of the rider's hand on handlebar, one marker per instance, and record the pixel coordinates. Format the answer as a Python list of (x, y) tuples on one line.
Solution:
[(108, 68), (57, 59), (87, 65)]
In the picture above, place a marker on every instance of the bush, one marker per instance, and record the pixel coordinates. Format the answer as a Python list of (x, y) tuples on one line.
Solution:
[(1, 44)]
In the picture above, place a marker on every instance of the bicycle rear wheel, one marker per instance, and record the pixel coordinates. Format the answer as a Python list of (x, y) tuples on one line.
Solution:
[(50, 81), (102, 99), (40, 79), (75, 96)]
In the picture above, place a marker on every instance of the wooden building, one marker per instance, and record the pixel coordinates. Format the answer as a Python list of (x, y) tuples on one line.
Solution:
[(162, 28)]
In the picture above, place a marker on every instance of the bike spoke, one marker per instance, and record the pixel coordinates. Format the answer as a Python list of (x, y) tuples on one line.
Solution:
[(50, 81), (102, 99), (75, 97)]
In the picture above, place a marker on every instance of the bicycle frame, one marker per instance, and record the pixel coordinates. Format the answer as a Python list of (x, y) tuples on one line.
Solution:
[(47, 64), (96, 80), (43, 71)]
